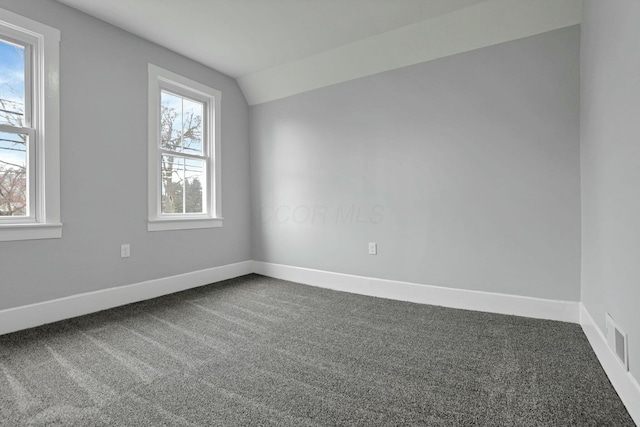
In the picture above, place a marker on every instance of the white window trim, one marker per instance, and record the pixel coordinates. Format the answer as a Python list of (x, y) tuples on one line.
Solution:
[(159, 79), (45, 109)]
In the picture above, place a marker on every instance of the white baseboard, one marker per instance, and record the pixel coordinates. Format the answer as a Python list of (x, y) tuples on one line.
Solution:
[(565, 311), (627, 387), (28, 316)]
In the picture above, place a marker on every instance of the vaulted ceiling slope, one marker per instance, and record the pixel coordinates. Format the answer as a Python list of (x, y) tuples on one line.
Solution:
[(278, 48)]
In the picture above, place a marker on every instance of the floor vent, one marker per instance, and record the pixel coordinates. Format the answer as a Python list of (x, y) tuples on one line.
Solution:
[(617, 340)]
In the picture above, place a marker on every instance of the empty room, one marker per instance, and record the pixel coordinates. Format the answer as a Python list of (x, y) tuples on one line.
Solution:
[(319, 213)]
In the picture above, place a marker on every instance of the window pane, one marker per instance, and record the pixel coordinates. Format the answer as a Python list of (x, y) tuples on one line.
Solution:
[(192, 126), (194, 180), (181, 123), (172, 184), (13, 175), (182, 185), (11, 84), (171, 121)]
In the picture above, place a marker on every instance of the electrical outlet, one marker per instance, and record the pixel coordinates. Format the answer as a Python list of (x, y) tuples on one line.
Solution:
[(373, 249), (125, 251)]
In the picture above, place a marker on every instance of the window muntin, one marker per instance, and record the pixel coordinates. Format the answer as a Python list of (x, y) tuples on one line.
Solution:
[(184, 153)]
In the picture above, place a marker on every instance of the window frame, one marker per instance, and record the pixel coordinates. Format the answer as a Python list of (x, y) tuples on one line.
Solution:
[(42, 125), (159, 80)]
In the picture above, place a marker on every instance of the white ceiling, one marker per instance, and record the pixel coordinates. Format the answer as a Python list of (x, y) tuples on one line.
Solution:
[(254, 40)]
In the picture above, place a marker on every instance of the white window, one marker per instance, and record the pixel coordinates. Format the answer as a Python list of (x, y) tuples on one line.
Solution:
[(29, 129), (184, 153)]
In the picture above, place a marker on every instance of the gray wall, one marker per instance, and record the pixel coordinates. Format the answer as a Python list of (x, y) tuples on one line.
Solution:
[(104, 170), (464, 170), (610, 153)]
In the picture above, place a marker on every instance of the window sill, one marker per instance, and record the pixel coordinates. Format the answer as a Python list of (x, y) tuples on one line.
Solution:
[(183, 224), (12, 232)]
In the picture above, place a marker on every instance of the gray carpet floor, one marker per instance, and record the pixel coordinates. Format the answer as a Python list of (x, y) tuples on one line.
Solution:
[(261, 351)]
